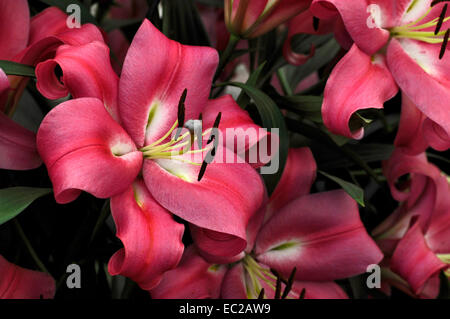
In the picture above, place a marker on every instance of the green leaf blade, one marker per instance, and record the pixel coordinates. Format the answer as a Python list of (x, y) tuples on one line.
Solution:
[(14, 200), (356, 192), (14, 68)]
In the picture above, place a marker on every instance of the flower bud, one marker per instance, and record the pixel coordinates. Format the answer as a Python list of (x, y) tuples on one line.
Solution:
[(250, 19)]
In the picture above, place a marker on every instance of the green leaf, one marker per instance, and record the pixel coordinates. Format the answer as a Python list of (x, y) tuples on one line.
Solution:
[(14, 68), (307, 106), (354, 191), (271, 117), (243, 99), (14, 200), (86, 16)]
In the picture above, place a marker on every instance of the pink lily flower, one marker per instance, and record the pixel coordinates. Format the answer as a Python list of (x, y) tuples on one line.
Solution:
[(48, 31), (416, 238), (321, 235), (86, 149), (417, 132), (20, 283), (423, 194), (13, 40), (86, 72), (151, 238), (250, 19), (17, 144), (395, 46), (390, 279), (29, 42)]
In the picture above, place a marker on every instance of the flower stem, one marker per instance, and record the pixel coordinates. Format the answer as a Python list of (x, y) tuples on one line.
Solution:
[(284, 82), (30, 248), (226, 55)]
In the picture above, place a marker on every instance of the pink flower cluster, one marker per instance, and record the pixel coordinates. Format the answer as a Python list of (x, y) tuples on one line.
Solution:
[(114, 140)]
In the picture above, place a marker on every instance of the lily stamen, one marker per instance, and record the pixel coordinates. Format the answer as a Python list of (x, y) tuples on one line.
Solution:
[(258, 273), (175, 147), (415, 31), (162, 138)]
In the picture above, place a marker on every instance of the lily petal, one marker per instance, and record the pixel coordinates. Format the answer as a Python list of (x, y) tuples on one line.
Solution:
[(414, 261), (20, 283), (85, 149), (17, 146), (410, 132), (222, 203), (235, 282), (233, 286), (244, 134), (87, 72), (438, 233), (14, 27), (149, 90), (436, 137), (321, 235), (48, 22), (400, 164), (194, 278), (45, 48), (370, 38), (416, 65), (297, 179), (319, 290), (357, 82), (151, 238)]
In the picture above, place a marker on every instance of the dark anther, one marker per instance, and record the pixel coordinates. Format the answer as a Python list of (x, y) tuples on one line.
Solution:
[(276, 274), (278, 288), (202, 171), (261, 294), (215, 126), (302, 294), (208, 159), (181, 112), (316, 22), (441, 20), (289, 284), (435, 2), (181, 108), (444, 44)]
